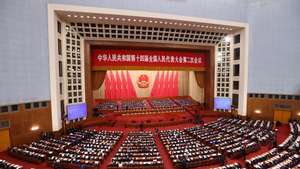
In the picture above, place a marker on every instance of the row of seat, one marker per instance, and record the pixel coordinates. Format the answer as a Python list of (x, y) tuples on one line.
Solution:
[(141, 104), (230, 166), (162, 103), (139, 150), (186, 102), (183, 148), (90, 152), (7, 165), (235, 137), (285, 155), (152, 111)]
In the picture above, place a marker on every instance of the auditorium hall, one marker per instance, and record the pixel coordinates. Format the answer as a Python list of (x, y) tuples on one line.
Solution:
[(149, 84)]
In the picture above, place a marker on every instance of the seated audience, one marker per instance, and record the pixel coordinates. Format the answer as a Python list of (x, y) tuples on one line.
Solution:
[(138, 151), (7, 165)]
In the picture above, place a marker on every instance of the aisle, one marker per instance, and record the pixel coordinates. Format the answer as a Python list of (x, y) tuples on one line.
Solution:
[(107, 160), (164, 154)]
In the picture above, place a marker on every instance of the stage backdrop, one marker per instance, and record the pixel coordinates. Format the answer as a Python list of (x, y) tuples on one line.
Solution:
[(142, 83)]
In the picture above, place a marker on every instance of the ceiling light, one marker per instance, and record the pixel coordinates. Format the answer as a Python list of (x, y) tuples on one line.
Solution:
[(123, 19), (87, 16), (105, 18), (227, 39), (94, 17), (112, 18), (99, 17), (298, 114), (81, 16), (69, 15), (34, 128), (75, 16), (134, 20), (117, 19), (257, 111)]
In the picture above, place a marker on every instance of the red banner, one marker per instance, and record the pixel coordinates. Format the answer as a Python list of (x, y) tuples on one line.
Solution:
[(105, 58)]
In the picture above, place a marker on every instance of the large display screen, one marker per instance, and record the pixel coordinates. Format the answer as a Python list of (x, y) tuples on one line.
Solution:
[(76, 111), (222, 103)]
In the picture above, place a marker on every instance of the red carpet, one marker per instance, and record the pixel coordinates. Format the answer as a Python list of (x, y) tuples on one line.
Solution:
[(283, 132)]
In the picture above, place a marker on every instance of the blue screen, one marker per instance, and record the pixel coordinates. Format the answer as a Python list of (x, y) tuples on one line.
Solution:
[(222, 103), (76, 111)]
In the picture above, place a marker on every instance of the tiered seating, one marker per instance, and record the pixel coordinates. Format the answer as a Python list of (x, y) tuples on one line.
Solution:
[(230, 166), (7, 165), (182, 147), (232, 136), (37, 152), (107, 106), (286, 155), (138, 151), (134, 104), (89, 152), (185, 102), (159, 103), (152, 111)]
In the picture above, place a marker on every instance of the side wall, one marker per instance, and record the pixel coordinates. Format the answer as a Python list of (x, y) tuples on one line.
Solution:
[(274, 46), (22, 120)]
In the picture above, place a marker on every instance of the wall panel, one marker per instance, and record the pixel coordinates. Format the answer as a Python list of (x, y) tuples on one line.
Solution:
[(22, 121)]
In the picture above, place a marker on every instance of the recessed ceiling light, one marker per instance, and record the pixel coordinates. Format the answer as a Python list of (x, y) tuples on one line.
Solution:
[(105, 18), (81, 16), (150, 21), (75, 16), (69, 15), (112, 18), (140, 20), (227, 39), (134, 20), (117, 19), (129, 19), (145, 20), (123, 19), (94, 17), (99, 17), (87, 16), (155, 21)]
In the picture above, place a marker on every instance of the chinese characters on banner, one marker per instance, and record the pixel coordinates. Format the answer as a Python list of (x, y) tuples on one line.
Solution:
[(111, 57)]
